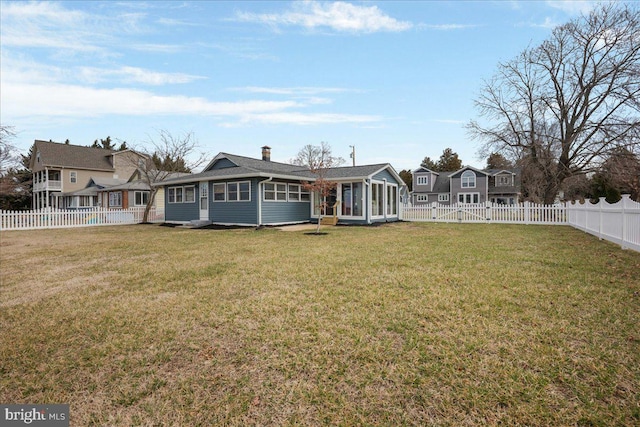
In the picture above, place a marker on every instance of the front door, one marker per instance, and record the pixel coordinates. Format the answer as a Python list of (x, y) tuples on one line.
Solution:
[(204, 201)]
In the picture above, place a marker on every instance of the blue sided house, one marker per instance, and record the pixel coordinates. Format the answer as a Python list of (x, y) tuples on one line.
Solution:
[(237, 190)]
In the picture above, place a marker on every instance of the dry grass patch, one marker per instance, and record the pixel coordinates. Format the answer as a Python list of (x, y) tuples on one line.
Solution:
[(405, 324)]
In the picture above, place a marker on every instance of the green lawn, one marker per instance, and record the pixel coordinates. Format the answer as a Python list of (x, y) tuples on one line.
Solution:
[(402, 324)]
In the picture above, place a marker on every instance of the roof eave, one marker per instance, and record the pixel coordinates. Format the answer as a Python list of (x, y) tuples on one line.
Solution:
[(195, 178)]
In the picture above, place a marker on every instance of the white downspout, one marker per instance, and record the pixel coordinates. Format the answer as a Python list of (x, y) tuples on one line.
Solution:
[(260, 199)]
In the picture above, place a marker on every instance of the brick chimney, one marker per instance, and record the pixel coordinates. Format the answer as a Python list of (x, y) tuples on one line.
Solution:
[(266, 153)]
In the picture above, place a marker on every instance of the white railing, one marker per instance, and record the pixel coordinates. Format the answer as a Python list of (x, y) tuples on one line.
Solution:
[(522, 213), (47, 185), (54, 218), (618, 222)]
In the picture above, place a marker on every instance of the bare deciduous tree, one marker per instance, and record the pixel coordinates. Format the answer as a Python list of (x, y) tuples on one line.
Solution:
[(15, 178), (319, 159), (8, 156), (569, 102), (164, 156)]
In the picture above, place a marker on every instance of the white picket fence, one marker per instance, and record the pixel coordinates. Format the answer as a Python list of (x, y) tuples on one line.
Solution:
[(523, 213), (618, 222), (55, 218)]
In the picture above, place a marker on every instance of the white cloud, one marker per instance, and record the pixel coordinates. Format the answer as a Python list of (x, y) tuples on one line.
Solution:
[(42, 90), (156, 47), (338, 16), (297, 91), (446, 27), (573, 7), (175, 22), (304, 119), (50, 25), (449, 121), (45, 24), (53, 100), (134, 75), (64, 100)]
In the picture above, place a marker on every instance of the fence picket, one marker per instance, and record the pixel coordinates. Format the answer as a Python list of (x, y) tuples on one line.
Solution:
[(53, 218), (617, 222)]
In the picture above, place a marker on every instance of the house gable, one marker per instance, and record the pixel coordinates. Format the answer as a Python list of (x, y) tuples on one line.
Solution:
[(58, 155), (220, 163), (424, 180)]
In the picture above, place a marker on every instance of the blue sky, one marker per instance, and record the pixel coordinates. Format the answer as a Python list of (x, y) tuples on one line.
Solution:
[(395, 79)]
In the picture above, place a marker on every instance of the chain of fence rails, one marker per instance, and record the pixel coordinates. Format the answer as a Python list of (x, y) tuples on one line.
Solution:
[(58, 218), (617, 222)]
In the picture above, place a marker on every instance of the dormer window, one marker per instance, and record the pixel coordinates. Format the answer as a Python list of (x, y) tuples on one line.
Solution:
[(503, 181), (423, 180), (468, 179)]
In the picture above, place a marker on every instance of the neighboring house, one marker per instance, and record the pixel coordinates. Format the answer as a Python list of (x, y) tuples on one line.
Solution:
[(70, 176), (237, 190), (86, 197), (467, 185), (134, 193)]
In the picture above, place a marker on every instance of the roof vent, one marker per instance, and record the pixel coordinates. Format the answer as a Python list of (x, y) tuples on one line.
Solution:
[(266, 153)]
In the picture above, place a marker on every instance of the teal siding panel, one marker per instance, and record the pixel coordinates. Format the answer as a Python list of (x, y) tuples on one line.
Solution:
[(182, 212), (385, 174), (236, 212), (222, 164), (283, 212)]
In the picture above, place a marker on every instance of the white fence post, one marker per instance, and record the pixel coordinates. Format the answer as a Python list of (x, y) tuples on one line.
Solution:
[(55, 218)]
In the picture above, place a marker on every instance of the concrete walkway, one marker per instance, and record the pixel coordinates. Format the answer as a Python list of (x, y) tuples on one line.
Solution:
[(298, 227)]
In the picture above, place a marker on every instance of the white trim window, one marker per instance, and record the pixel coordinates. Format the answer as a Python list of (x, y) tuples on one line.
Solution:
[(190, 194), (141, 198), (275, 192), (297, 193), (392, 199), (186, 194), (468, 179), (351, 199), (377, 199), (422, 180), (469, 198), (220, 192), (115, 199), (239, 191), (73, 177), (422, 198), (443, 197), (503, 180)]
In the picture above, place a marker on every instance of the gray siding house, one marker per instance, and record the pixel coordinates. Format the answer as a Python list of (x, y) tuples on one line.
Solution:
[(238, 190), (467, 185)]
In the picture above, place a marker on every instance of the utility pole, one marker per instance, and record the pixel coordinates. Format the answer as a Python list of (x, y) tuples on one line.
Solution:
[(353, 154)]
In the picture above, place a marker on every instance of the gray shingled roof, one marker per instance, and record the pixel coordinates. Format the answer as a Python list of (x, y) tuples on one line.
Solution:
[(265, 166), (247, 166), (133, 185), (66, 155), (442, 183), (106, 182)]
